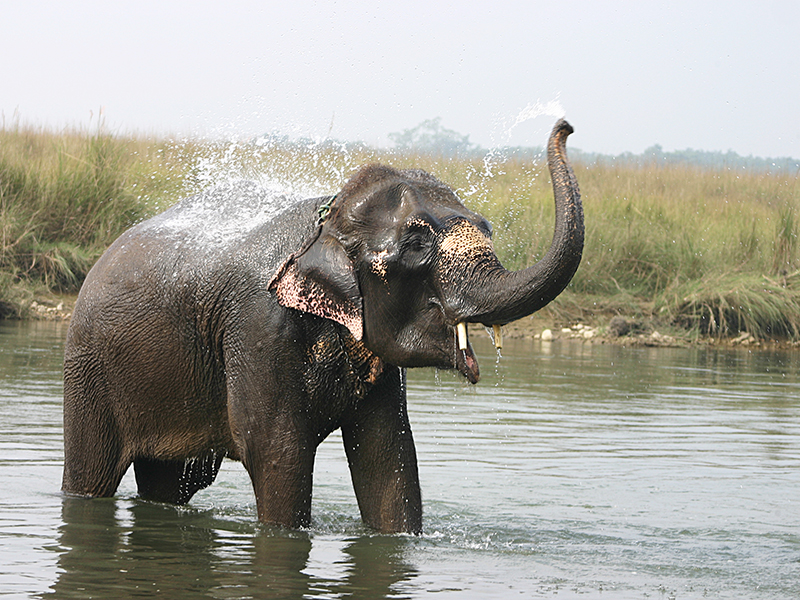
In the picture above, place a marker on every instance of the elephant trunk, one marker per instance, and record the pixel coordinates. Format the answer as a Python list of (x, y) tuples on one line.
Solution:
[(502, 296)]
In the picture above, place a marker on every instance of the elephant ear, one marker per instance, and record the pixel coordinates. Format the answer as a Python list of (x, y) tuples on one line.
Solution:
[(321, 280)]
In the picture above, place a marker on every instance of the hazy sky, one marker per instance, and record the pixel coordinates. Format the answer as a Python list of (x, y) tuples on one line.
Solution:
[(702, 75)]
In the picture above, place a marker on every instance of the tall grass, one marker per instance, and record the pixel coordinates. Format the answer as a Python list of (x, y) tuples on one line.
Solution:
[(63, 198), (712, 250), (697, 244), (715, 251)]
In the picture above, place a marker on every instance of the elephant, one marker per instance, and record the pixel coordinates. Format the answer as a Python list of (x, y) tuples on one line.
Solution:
[(233, 325)]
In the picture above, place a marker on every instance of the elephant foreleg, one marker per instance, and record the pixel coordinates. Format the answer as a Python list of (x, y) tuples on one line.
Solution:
[(175, 481), (271, 439), (282, 477), (382, 458)]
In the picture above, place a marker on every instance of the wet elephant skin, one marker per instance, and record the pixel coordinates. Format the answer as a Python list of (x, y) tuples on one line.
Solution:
[(237, 324)]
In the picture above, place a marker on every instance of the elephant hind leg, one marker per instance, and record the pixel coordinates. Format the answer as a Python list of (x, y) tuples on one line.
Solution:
[(94, 475), (94, 457), (175, 481)]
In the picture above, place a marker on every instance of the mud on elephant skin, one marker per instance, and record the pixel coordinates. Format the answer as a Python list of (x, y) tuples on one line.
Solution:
[(237, 325)]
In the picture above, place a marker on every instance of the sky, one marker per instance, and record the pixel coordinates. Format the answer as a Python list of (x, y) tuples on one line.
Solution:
[(704, 75)]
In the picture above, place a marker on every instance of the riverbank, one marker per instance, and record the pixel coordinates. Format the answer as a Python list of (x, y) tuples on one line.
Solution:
[(689, 253), (631, 331), (545, 325)]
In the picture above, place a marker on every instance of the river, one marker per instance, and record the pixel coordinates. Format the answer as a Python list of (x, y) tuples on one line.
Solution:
[(570, 471)]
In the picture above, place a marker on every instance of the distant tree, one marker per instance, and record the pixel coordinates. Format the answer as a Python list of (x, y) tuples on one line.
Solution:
[(655, 154), (431, 138)]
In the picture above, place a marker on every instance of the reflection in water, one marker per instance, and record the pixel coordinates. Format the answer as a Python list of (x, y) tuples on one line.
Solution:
[(109, 548)]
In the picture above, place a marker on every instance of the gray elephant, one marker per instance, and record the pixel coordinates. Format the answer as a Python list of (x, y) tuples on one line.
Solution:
[(232, 326)]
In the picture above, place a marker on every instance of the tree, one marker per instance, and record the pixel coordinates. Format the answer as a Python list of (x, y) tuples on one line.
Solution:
[(431, 138)]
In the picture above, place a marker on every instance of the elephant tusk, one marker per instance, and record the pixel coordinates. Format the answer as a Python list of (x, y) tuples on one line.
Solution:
[(461, 328), (498, 336)]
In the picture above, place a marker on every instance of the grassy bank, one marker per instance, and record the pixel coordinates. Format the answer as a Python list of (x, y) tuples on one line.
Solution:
[(714, 252), (63, 199)]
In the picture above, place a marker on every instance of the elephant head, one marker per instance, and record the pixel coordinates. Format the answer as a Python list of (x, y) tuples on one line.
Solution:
[(404, 265)]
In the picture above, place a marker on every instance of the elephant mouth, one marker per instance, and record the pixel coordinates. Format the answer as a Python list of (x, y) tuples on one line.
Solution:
[(466, 362)]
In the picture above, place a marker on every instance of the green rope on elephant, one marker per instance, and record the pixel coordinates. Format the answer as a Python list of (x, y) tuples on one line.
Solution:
[(324, 210)]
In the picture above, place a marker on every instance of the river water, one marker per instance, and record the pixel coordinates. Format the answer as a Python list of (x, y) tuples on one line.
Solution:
[(570, 471)]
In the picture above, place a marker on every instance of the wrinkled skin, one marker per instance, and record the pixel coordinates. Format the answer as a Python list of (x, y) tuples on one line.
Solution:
[(220, 329)]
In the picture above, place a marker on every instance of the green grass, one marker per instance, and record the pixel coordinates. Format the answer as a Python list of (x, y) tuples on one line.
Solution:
[(714, 251), (732, 302), (64, 197)]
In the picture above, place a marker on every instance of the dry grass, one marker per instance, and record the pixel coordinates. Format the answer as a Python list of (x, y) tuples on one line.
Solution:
[(713, 250)]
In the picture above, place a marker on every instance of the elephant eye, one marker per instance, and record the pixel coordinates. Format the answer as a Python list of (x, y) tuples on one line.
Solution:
[(416, 247)]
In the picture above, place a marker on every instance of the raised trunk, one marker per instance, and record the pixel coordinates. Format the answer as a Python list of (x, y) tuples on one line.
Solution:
[(505, 296)]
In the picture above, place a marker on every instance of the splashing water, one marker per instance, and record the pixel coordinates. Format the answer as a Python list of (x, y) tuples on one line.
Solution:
[(310, 165), (498, 356), (301, 168), (537, 109), (286, 169), (500, 152), (271, 172)]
